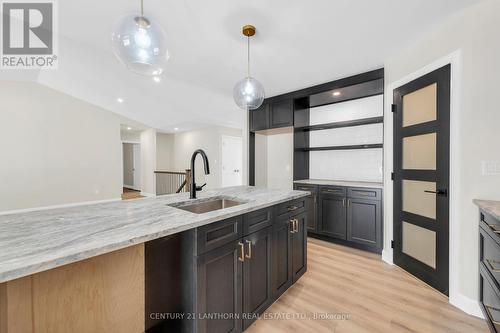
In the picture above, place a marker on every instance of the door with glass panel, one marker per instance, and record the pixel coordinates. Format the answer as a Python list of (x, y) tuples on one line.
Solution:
[(421, 177)]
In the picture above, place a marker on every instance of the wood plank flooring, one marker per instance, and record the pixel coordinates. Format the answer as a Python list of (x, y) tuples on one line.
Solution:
[(129, 194), (365, 294)]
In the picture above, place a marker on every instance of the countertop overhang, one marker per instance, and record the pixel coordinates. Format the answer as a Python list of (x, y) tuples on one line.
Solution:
[(489, 206), (37, 241)]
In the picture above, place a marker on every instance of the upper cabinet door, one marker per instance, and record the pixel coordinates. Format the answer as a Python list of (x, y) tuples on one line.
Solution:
[(259, 118), (281, 113)]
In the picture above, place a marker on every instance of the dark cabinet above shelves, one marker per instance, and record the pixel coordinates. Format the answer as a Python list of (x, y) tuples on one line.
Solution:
[(274, 113)]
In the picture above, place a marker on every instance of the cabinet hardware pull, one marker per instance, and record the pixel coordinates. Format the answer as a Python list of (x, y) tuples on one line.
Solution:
[(488, 309), (348, 202), (292, 231), (343, 202), (249, 254), (241, 257), (292, 208), (296, 225), (494, 228), (490, 263)]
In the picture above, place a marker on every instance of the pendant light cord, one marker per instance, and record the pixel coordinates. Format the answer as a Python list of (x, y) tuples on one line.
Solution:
[(142, 8), (248, 56)]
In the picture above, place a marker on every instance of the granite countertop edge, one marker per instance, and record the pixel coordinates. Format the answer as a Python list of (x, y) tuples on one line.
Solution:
[(347, 183), (489, 206), (29, 261)]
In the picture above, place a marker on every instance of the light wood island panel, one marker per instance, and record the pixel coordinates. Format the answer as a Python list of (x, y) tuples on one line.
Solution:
[(100, 294)]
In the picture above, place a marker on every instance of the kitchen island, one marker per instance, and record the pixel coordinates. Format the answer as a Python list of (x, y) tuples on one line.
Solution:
[(148, 264)]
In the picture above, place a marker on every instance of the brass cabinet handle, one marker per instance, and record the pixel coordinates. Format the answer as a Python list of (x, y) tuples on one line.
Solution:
[(490, 263), (292, 221), (241, 257), (292, 208), (494, 228), (249, 254), (488, 308), (296, 225)]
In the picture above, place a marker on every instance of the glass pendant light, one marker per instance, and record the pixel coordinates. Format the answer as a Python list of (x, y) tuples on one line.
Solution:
[(140, 44), (248, 93)]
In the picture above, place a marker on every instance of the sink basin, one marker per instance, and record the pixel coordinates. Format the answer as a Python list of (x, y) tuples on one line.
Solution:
[(206, 206)]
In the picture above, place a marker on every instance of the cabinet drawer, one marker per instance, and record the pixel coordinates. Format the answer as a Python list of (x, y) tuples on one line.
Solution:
[(213, 235), (364, 193), (311, 188), (291, 207), (490, 300), (492, 225), (335, 190), (257, 220), (489, 254)]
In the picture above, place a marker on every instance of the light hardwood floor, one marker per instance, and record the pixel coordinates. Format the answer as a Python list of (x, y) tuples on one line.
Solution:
[(131, 194), (376, 296)]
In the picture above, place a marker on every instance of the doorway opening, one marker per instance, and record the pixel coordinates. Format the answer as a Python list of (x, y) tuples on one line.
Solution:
[(131, 170)]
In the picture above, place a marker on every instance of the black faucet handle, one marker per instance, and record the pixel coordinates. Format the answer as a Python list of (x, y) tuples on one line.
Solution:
[(199, 188)]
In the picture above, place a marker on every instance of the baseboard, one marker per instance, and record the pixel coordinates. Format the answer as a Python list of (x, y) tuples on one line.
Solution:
[(387, 256), (76, 204), (145, 194), (466, 304)]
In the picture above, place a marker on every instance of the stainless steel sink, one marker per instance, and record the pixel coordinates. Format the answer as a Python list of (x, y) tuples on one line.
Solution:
[(207, 205)]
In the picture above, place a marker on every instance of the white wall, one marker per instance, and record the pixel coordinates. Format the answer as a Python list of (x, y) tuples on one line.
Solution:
[(148, 162), (208, 139), (165, 152), (131, 136), (56, 149), (274, 158), (260, 160), (354, 165), (475, 32)]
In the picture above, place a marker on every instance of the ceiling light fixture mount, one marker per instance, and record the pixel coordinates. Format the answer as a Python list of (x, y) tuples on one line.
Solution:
[(248, 93), (140, 44)]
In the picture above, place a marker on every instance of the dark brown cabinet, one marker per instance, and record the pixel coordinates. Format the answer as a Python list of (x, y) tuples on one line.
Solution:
[(299, 246), (281, 113), (219, 281), (257, 290), (289, 251), (332, 212), (311, 205), (349, 215), (364, 220), (259, 118), (222, 275), (275, 112)]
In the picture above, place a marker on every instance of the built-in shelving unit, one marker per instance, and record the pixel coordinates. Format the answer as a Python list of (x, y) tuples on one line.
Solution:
[(336, 129), (340, 124), (350, 147)]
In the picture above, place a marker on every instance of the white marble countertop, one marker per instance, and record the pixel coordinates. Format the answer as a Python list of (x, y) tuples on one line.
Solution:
[(41, 240), (490, 207), (339, 183)]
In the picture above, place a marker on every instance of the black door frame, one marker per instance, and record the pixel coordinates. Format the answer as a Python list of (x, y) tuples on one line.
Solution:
[(439, 277)]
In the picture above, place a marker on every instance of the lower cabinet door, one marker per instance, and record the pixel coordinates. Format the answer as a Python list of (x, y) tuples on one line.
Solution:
[(257, 289), (332, 218), (281, 256), (299, 247), (219, 295), (364, 222)]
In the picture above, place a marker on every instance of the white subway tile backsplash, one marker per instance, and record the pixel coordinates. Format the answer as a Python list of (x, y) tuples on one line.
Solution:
[(352, 165), (344, 136), (356, 109)]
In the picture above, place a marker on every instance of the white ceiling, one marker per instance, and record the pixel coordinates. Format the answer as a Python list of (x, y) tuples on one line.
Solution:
[(298, 44)]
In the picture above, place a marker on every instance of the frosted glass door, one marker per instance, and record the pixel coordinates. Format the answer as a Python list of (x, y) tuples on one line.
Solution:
[(421, 177)]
